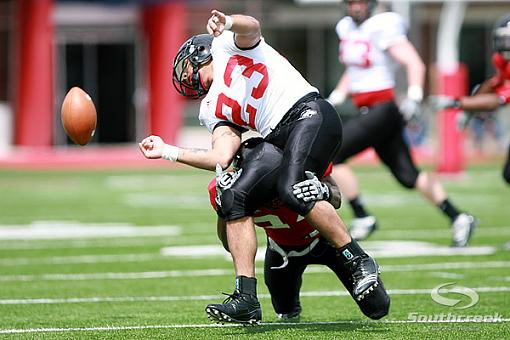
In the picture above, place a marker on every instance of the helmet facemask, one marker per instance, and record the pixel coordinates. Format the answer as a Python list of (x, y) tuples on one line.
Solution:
[(195, 52), (360, 17), (502, 40)]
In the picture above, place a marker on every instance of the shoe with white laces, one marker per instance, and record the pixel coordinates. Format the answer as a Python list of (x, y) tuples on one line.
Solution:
[(462, 229), (237, 308), (364, 275), (363, 227)]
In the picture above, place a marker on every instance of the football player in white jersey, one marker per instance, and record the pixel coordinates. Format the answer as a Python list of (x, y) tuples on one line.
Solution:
[(368, 45), (292, 243), (246, 84)]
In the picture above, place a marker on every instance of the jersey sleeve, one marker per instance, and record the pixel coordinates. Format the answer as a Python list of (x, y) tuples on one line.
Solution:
[(329, 170), (224, 43), (341, 26), (212, 193), (212, 198), (389, 30), (207, 115)]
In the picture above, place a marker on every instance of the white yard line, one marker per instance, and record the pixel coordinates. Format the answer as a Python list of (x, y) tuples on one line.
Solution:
[(122, 242), (71, 234), (439, 233), (378, 249), (23, 261), (221, 272), (98, 299), (266, 324), (51, 230)]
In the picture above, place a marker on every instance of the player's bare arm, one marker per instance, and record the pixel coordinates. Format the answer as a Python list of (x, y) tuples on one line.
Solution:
[(480, 102), (487, 86), (339, 94), (405, 53), (246, 28), (225, 142)]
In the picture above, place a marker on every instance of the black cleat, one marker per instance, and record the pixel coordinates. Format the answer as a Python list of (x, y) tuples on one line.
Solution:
[(364, 276), (237, 308), (376, 305), (293, 316)]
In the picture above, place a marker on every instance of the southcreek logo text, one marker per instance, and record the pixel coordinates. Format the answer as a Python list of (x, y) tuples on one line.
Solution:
[(442, 294)]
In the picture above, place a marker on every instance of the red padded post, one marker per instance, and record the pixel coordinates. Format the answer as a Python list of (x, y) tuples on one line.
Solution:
[(34, 92), (165, 28), (451, 139)]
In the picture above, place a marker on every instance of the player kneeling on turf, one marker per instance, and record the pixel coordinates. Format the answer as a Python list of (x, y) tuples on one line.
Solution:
[(293, 243)]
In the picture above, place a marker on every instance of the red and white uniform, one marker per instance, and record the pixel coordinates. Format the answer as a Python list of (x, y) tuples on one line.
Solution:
[(363, 50), (501, 81), (284, 226), (281, 224), (252, 88)]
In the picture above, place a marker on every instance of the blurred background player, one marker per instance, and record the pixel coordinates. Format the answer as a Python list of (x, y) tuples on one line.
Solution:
[(495, 91), (247, 84), (369, 43), (292, 243)]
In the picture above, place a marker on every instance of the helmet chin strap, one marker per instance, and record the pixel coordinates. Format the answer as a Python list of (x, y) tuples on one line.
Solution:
[(202, 85), (197, 82)]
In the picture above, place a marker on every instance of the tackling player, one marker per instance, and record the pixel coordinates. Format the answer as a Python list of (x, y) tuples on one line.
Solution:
[(292, 243), (369, 43), (495, 91), (245, 84)]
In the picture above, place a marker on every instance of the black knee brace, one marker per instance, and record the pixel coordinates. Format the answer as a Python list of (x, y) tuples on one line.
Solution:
[(233, 204)]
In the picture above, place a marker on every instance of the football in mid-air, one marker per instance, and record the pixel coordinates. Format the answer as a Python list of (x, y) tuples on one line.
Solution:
[(79, 116)]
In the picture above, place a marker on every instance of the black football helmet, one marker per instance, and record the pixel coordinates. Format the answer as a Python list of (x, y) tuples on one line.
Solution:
[(360, 17), (501, 36), (195, 51)]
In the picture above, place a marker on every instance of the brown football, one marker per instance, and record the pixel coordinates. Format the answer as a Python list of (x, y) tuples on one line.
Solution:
[(78, 116)]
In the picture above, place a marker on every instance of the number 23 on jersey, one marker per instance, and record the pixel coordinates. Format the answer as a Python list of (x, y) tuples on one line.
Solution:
[(257, 92)]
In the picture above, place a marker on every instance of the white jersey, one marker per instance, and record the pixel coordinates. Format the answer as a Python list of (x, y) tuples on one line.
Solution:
[(252, 88), (363, 50)]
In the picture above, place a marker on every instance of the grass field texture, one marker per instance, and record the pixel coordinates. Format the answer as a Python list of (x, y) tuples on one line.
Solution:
[(134, 254)]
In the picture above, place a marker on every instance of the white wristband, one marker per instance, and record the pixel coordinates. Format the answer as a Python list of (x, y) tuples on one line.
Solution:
[(415, 92), (228, 22), (336, 97), (170, 152)]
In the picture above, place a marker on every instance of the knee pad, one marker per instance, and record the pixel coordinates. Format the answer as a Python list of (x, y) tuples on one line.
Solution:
[(376, 304), (290, 201), (233, 204)]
